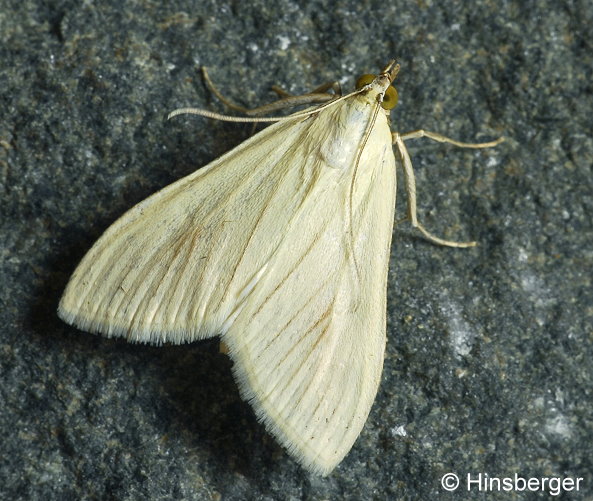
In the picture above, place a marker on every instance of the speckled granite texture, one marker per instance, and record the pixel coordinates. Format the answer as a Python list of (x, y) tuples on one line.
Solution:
[(489, 363)]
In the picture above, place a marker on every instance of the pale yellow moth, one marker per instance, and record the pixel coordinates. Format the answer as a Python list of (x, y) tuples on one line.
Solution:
[(281, 247)]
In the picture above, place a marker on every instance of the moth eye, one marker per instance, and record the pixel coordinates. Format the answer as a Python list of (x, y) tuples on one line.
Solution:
[(390, 98), (364, 80)]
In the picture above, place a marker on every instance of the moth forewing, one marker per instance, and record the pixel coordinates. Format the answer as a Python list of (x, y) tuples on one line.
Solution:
[(166, 270), (308, 344)]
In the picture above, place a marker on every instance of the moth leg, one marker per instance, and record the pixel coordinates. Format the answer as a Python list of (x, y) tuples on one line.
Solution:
[(281, 92), (322, 89), (217, 93), (288, 101), (410, 180), (223, 348), (443, 139), (401, 220)]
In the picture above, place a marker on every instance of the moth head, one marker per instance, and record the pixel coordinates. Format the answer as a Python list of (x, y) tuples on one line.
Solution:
[(381, 83)]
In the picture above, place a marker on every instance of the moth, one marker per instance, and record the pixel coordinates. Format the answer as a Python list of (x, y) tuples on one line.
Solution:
[(281, 247)]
